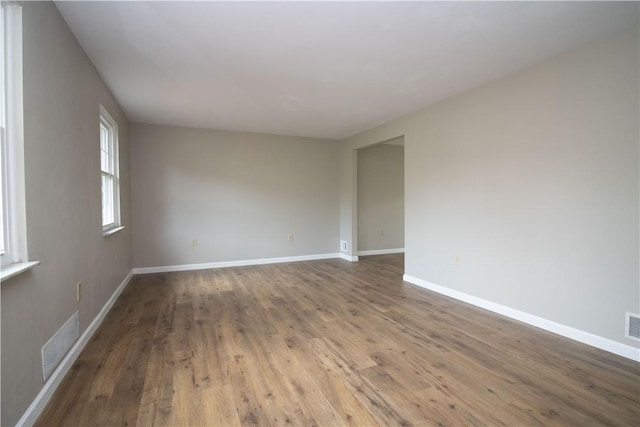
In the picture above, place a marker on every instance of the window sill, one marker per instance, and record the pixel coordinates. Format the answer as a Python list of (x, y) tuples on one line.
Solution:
[(15, 269), (111, 231)]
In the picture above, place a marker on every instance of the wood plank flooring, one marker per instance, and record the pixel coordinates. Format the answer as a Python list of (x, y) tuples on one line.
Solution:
[(330, 343)]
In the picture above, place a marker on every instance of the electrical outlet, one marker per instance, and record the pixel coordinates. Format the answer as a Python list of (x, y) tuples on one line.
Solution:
[(79, 291), (194, 243), (457, 260), (290, 237)]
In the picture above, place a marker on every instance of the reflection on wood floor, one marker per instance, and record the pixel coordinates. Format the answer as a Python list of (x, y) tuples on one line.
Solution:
[(330, 343)]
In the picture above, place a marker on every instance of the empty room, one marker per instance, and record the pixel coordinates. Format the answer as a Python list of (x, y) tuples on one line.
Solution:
[(320, 213)]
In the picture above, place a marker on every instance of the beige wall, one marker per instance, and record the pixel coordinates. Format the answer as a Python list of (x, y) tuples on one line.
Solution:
[(533, 181), (62, 93), (239, 194), (380, 197)]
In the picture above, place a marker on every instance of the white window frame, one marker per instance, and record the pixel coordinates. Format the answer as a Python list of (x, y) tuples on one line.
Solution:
[(4, 231), (14, 259), (109, 174)]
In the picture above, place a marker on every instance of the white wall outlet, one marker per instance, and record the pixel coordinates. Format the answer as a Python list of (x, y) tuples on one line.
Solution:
[(457, 260), (78, 291), (290, 237), (194, 243), (343, 246)]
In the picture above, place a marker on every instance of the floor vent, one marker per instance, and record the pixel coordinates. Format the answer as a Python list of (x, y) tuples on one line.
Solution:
[(633, 326), (55, 349)]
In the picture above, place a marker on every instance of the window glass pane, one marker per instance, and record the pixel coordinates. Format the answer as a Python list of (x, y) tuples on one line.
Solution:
[(2, 132), (107, 200), (2, 224), (104, 149), (104, 161)]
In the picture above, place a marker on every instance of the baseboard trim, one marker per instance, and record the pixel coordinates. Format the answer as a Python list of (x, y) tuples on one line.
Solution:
[(381, 252), (602, 343), (241, 263), (33, 411), (349, 258)]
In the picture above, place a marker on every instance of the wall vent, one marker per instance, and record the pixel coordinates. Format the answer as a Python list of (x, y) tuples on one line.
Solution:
[(60, 343), (633, 326), (343, 246)]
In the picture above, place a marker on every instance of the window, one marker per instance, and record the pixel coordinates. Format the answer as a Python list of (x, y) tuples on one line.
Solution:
[(3, 136), (13, 227), (109, 171)]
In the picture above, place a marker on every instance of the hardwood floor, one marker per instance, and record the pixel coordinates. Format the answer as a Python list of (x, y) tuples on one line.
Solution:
[(330, 343)]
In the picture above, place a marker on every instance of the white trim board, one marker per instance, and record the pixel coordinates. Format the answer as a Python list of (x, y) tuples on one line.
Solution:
[(602, 343), (33, 411), (241, 263), (381, 252)]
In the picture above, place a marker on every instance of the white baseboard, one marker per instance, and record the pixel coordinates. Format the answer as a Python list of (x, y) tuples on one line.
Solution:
[(381, 252), (349, 257), (602, 343), (241, 263), (33, 411)]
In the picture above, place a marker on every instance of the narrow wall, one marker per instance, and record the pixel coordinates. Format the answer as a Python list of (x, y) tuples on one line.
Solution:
[(240, 195), (62, 94), (380, 197), (533, 181)]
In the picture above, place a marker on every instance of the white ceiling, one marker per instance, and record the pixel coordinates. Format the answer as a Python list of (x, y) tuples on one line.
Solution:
[(318, 69)]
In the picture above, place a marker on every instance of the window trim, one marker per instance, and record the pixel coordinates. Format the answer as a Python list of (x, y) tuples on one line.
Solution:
[(13, 179), (4, 231), (15, 259), (114, 173)]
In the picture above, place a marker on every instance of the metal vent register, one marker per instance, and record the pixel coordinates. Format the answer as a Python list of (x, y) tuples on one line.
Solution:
[(633, 326), (57, 347)]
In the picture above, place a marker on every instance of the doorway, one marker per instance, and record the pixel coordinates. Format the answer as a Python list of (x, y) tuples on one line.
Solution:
[(380, 198)]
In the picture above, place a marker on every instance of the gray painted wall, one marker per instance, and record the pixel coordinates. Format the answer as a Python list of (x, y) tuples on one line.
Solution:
[(62, 93), (381, 197), (533, 180), (239, 194)]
